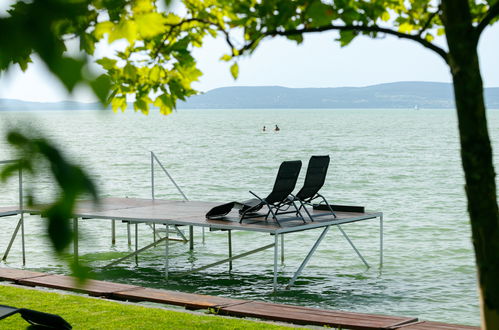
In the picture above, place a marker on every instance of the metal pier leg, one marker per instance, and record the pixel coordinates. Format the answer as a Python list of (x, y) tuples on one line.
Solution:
[(14, 235), (230, 248), (21, 209), (282, 248), (276, 241), (191, 238), (307, 258), (154, 232), (113, 232), (353, 246), (136, 243), (128, 233), (75, 241), (203, 235), (167, 252), (381, 242), (152, 175), (22, 239)]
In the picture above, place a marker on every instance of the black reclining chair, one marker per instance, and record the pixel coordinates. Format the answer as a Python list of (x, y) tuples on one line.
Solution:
[(314, 180), (280, 200), (45, 320)]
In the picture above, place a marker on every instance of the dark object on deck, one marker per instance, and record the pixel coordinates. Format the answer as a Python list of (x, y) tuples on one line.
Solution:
[(314, 180), (340, 208), (279, 200), (36, 318), (219, 211)]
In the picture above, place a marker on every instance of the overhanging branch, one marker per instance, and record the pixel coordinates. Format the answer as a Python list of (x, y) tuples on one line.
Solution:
[(493, 13), (361, 28)]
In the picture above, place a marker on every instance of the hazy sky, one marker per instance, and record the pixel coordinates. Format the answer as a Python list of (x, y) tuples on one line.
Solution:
[(318, 62)]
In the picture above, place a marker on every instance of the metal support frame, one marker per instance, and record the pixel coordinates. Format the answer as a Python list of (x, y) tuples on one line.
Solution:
[(21, 209), (113, 232), (229, 237), (75, 241), (129, 239), (20, 223), (6, 254), (167, 252), (117, 261), (136, 243), (353, 246), (307, 258), (242, 255), (282, 248), (275, 262)]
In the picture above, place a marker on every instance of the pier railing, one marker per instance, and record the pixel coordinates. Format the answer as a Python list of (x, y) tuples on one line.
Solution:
[(154, 158)]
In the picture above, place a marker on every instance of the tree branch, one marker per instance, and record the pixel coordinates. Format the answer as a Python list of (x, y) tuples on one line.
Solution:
[(493, 13), (428, 22), (361, 28)]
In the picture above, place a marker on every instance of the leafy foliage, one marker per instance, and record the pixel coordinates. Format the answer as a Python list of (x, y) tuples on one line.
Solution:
[(156, 66), (32, 153)]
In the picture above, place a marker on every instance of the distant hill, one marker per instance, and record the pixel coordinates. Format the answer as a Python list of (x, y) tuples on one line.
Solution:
[(399, 95), (429, 95), (18, 105)]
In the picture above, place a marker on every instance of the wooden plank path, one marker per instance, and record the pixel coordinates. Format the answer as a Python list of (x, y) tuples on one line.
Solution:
[(226, 306)]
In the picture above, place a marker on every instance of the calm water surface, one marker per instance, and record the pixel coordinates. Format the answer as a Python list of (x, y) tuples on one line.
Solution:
[(403, 163)]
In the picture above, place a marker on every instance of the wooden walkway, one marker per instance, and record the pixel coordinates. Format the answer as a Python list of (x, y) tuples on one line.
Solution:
[(226, 306)]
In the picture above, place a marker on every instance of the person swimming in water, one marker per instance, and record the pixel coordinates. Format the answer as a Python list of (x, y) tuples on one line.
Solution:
[(277, 129), (264, 129)]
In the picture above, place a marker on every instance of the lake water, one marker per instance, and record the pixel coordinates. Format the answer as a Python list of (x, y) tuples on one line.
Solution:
[(401, 162)]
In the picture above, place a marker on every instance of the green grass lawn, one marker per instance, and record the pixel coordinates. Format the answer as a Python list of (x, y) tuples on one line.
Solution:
[(91, 313)]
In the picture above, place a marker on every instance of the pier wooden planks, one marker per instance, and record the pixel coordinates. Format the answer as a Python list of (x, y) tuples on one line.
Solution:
[(14, 275), (193, 213), (187, 300), (305, 315), (428, 325), (91, 287)]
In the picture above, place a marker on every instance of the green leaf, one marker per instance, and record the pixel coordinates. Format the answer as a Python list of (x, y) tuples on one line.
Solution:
[(297, 37), (125, 29), (226, 58), (320, 13), (101, 87), (406, 27), (164, 103), (130, 72), (119, 103), (103, 28), (107, 63), (346, 37), (155, 74), (150, 25), (234, 70), (68, 70)]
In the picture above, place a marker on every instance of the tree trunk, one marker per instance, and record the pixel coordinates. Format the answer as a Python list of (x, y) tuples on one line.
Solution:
[(476, 154)]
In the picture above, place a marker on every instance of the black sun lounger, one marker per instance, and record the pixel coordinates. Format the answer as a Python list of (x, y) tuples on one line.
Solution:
[(314, 180), (279, 200), (46, 320)]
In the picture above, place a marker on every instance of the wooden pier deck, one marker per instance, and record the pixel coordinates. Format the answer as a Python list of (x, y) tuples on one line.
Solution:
[(174, 213), (226, 306)]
